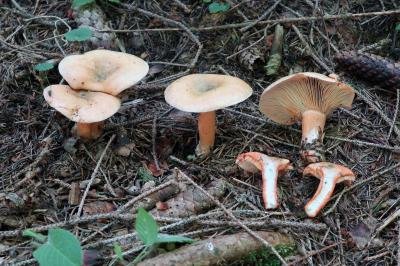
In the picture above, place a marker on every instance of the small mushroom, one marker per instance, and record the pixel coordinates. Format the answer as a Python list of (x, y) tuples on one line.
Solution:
[(329, 174), (87, 108), (103, 70), (204, 94), (307, 97), (271, 168)]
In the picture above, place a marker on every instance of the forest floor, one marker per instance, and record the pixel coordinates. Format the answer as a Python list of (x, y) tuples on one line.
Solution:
[(43, 167)]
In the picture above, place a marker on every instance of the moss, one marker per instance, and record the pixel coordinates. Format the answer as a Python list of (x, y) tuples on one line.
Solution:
[(264, 257)]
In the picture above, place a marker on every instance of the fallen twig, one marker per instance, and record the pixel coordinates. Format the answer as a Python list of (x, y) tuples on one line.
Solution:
[(273, 21), (311, 50), (313, 253), (191, 201), (30, 170), (263, 16), (223, 248)]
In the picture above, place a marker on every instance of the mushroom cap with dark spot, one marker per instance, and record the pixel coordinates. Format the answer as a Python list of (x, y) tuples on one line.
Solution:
[(285, 100), (103, 70)]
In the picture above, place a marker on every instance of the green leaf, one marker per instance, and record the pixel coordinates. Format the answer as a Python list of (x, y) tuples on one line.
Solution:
[(165, 238), (216, 7), (146, 227), (145, 174), (273, 64), (114, 1), (118, 251), (39, 237), (79, 35), (61, 249), (206, 1), (397, 27), (79, 3), (43, 66)]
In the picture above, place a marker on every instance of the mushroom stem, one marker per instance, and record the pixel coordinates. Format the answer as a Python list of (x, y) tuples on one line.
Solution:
[(270, 185), (312, 126), (207, 127), (323, 194), (89, 130), (271, 168)]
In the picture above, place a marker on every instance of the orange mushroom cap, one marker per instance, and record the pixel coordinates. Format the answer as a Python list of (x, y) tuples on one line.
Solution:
[(103, 70), (198, 93), (285, 100), (81, 106)]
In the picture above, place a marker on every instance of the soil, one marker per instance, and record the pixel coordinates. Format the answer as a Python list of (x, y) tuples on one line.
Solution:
[(41, 161)]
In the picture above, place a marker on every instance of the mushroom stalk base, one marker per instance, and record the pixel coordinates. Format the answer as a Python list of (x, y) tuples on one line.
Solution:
[(321, 197), (207, 127), (313, 123), (89, 130)]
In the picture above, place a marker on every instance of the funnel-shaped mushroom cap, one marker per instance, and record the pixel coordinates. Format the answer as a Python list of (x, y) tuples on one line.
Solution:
[(81, 106), (200, 93), (286, 99), (329, 174), (103, 70), (323, 169)]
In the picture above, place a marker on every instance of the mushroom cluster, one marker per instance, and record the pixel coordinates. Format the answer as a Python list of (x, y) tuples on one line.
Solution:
[(95, 79), (308, 98)]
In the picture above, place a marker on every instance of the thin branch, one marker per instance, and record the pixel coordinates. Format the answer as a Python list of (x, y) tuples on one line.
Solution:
[(93, 176)]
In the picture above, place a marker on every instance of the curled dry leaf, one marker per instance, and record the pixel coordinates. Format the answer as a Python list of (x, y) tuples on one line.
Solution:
[(97, 207)]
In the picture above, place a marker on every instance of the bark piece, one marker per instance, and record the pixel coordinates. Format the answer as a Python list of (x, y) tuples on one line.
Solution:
[(219, 250), (74, 194), (191, 201)]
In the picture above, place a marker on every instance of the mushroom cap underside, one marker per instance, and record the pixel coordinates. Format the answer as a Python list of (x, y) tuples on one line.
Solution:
[(285, 100), (323, 169), (81, 106), (253, 162)]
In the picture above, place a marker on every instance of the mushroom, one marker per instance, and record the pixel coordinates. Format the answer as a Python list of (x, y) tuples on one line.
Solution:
[(87, 108), (307, 97), (271, 168), (103, 70), (329, 174), (204, 94)]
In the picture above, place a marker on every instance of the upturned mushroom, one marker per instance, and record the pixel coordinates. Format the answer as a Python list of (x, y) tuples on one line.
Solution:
[(271, 168), (103, 70), (307, 97), (204, 94), (87, 108), (329, 174)]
